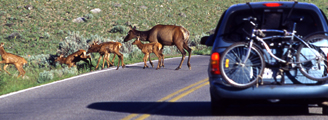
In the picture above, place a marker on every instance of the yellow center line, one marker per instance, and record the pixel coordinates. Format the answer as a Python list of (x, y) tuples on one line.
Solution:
[(171, 95), (181, 90), (144, 116)]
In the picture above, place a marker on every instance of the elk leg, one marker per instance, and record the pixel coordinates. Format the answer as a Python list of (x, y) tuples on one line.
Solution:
[(85, 60), (151, 63), (145, 60), (183, 56), (90, 63), (20, 70), (122, 63), (98, 61), (113, 59), (120, 56), (70, 65), (161, 53), (4, 68), (185, 46), (108, 61), (104, 60), (159, 60)]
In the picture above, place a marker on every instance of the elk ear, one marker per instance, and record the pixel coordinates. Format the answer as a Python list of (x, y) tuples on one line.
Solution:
[(130, 27), (134, 27), (2, 44)]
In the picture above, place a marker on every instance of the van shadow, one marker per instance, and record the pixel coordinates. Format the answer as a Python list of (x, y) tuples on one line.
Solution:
[(198, 109)]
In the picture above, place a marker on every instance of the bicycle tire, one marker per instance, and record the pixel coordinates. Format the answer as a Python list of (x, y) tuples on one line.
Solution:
[(236, 74), (314, 69)]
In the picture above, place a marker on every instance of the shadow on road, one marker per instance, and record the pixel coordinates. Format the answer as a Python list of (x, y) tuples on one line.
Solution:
[(199, 109)]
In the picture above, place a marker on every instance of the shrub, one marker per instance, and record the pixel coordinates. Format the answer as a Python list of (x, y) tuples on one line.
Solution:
[(45, 76), (49, 75), (118, 28), (72, 43), (41, 61)]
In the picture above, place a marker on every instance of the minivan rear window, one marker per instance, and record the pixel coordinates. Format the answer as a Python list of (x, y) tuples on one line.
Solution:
[(271, 19)]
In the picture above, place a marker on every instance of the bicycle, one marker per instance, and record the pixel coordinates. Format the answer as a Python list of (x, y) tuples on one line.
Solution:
[(242, 64)]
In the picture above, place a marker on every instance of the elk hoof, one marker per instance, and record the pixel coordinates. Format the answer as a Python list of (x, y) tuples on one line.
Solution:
[(189, 68), (158, 68), (177, 68), (144, 67)]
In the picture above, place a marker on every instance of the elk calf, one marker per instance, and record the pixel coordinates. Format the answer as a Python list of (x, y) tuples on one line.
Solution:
[(150, 48), (95, 47), (72, 59), (104, 49), (8, 58)]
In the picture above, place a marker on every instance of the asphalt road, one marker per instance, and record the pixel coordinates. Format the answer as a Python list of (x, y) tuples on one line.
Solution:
[(136, 93)]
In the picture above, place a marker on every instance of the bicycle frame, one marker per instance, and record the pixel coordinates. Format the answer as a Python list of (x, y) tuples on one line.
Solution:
[(290, 35)]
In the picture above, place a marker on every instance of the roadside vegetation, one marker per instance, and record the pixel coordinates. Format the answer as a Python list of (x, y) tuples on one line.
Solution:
[(41, 30)]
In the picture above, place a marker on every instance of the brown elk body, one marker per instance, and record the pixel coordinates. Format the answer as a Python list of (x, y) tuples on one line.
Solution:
[(72, 59), (150, 48), (104, 49), (8, 58), (166, 35)]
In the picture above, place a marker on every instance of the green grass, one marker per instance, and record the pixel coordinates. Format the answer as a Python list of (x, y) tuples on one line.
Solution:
[(29, 33)]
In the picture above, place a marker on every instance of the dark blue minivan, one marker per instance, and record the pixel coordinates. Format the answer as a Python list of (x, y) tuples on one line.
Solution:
[(277, 83)]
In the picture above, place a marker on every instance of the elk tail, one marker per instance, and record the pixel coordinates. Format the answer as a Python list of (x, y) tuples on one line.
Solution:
[(84, 54), (185, 34), (160, 47)]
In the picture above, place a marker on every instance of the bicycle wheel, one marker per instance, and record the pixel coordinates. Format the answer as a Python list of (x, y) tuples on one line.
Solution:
[(313, 59), (241, 75)]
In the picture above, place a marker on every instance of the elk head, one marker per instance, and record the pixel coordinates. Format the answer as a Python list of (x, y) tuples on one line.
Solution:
[(137, 41), (2, 44), (94, 47), (131, 34), (59, 58)]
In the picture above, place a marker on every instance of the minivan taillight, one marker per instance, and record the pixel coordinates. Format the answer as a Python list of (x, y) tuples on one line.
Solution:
[(272, 4), (215, 58)]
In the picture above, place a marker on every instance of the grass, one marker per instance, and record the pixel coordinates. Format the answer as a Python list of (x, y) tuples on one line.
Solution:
[(42, 30)]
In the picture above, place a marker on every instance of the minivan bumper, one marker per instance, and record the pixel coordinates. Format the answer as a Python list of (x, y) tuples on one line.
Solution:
[(222, 91)]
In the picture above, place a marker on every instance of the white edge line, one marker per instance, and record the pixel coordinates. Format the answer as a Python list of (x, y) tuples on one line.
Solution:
[(71, 78)]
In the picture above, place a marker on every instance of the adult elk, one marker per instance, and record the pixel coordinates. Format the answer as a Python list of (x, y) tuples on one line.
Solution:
[(104, 49), (150, 48), (72, 59), (8, 58), (166, 35)]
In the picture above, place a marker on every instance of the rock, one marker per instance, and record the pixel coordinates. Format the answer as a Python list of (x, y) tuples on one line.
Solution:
[(14, 35), (96, 10), (79, 20), (183, 14), (127, 23), (29, 7), (9, 24), (117, 5), (143, 7)]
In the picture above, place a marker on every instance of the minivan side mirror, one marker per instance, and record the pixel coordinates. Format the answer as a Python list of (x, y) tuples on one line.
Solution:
[(207, 40), (203, 40)]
